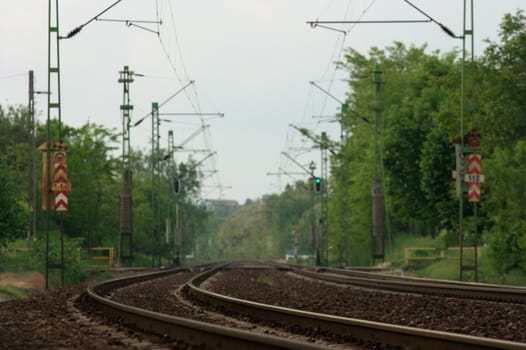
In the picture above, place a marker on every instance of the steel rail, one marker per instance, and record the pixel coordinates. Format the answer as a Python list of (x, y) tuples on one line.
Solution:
[(466, 290), (192, 332), (375, 332)]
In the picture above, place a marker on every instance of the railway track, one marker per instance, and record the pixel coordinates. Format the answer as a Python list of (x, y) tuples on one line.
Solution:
[(214, 337), (192, 333), (479, 291)]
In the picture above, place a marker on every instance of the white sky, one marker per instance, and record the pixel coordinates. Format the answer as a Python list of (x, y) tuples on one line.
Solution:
[(251, 59)]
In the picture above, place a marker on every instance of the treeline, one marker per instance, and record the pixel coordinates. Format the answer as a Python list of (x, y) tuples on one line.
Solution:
[(95, 172), (420, 104), (420, 107), (265, 228)]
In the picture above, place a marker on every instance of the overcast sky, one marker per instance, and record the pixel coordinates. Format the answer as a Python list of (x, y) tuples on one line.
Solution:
[(251, 60)]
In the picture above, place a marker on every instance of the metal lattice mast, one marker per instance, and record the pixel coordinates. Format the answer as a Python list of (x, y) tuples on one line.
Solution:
[(467, 109), (158, 184), (378, 204), (31, 199), (126, 217), (53, 111), (171, 177), (324, 219), (155, 180)]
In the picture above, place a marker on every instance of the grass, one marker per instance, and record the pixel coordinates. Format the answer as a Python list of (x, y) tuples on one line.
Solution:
[(10, 292), (442, 269), (395, 249), (447, 269)]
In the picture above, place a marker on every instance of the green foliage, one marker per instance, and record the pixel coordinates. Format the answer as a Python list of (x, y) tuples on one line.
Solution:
[(505, 205), (503, 117), (13, 172), (436, 159), (244, 235), (10, 292), (93, 209), (263, 229), (420, 103), (443, 269), (420, 106), (74, 269), (13, 216)]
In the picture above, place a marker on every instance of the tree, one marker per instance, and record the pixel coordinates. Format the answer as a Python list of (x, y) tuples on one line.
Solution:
[(505, 207), (437, 160), (93, 211), (13, 172), (13, 215), (503, 112)]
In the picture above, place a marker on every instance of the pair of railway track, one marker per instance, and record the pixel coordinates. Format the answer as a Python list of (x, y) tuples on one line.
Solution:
[(210, 336)]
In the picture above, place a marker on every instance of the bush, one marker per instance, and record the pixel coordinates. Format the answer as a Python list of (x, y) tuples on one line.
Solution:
[(74, 270)]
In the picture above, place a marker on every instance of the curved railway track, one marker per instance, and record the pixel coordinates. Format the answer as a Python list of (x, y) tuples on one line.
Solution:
[(210, 336), (193, 333), (479, 291)]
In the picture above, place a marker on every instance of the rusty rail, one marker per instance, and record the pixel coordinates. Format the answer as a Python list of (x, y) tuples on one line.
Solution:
[(375, 332), (466, 290), (192, 332)]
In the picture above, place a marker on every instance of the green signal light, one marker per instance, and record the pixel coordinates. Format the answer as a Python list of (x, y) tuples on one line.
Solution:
[(317, 184)]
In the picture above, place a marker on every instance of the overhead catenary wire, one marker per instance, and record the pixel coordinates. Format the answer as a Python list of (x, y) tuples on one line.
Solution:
[(442, 26), (164, 102), (77, 30), (11, 76), (165, 13), (133, 23), (171, 61), (337, 56)]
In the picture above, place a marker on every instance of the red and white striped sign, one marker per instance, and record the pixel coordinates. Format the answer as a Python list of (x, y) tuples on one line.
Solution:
[(61, 182), (474, 192), (474, 166), (474, 177)]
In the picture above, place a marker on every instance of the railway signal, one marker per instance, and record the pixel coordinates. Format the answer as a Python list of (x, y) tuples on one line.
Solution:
[(177, 185), (317, 184)]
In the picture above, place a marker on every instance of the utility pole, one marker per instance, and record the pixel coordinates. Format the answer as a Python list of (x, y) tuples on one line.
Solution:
[(155, 180), (126, 215), (31, 198), (313, 231), (53, 107), (175, 191), (378, 203), (344, 110), (317, 238), (323, 143), (473, 138), (324, 218)]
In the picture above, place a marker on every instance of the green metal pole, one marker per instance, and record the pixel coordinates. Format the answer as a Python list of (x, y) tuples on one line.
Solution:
[(53, 92), (126, 231), (324, 220), (378, 204), (467, 106), (154, 163)]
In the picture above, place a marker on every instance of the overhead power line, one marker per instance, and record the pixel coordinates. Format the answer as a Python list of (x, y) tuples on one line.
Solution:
[(77, 30), (164, 102), (443, 27), (133, 23), (13, 76)]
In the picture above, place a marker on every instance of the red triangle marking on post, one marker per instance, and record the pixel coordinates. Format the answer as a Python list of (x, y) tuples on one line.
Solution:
[(475, 158), (62, 167), (60, 204)]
